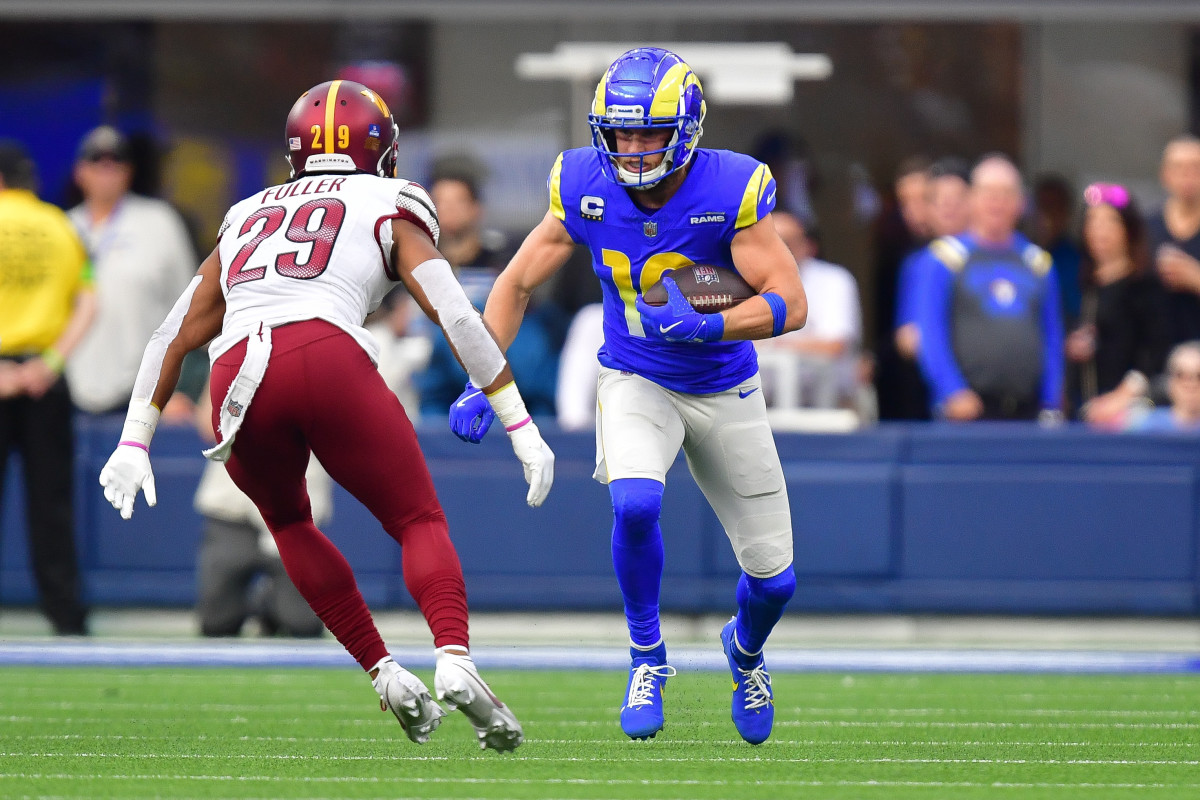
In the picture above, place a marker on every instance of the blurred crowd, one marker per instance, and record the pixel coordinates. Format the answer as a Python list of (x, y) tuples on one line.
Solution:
[(999, 302)]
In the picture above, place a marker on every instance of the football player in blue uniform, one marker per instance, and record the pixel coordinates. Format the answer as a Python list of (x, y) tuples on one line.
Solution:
[(645, 200)]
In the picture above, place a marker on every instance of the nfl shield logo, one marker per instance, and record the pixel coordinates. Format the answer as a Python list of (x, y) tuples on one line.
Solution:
[(234, 408), (650, 228), (705, 275)]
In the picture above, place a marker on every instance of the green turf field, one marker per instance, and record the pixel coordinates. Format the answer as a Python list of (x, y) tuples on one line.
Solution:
[(312, 733)]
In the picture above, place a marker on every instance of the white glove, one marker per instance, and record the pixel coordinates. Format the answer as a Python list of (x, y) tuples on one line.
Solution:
[(538, 460), (127, 470)]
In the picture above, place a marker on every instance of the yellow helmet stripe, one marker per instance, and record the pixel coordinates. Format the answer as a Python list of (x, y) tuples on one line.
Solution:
[(556, 205), (330, 104), (377, 100), (598, 106), (748, 211), (670, 88)]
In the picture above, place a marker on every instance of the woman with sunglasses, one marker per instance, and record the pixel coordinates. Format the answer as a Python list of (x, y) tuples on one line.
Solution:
[(1121, 326)]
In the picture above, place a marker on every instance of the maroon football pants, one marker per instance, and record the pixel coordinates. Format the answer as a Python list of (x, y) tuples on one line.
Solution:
[(321, 392)]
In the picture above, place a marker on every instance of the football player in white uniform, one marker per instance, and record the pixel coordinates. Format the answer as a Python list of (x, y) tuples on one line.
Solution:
[(282, 299)]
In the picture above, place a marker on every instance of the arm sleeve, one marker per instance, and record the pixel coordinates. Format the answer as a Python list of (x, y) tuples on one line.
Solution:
[(936, 355), (1052, 339)]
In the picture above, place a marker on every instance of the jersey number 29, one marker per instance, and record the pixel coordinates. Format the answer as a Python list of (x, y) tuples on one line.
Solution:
[(314, 234)]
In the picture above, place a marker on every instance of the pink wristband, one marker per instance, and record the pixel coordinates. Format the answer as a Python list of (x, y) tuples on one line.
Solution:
[(511, 428), (147, 449)]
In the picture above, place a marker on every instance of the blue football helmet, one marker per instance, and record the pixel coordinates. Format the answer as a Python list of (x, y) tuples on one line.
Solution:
[(647, 87)]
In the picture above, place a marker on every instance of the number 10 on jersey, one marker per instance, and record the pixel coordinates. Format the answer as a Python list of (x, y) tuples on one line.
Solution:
[(651, 271)]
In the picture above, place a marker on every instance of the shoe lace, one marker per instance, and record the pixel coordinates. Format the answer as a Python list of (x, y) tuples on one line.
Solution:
[(641, 688), (758, 687)]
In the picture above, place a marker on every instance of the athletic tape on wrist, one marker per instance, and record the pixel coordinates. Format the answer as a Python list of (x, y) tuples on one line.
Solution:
[(778, 311), (509, 407), (140, 422)]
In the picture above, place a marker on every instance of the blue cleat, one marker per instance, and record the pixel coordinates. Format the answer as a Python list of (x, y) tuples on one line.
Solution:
[(753, 702), (642, 714)]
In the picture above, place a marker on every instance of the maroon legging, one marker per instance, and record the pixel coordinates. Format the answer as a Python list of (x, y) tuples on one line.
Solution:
[(321, 391)]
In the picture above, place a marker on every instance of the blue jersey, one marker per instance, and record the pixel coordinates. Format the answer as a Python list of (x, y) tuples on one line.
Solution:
[(631, 248)]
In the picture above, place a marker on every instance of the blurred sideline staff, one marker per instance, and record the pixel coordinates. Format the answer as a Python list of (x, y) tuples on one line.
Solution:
[(46, 306)]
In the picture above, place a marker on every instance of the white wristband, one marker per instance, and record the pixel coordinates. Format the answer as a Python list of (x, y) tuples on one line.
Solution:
[(140, 422), (509, 407)]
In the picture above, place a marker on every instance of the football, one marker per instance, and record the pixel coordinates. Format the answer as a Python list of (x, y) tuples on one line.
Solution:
[(707, 288)]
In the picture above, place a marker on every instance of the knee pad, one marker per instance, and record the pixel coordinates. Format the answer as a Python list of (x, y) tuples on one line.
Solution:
[(637, 504), (776, 590)]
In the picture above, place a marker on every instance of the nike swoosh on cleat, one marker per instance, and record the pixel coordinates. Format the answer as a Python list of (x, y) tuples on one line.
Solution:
[(668, 328), (744, 395), (463, 402)]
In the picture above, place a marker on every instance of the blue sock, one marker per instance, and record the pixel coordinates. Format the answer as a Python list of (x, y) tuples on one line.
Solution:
[(760, 605), (656, 655), (637, 553)]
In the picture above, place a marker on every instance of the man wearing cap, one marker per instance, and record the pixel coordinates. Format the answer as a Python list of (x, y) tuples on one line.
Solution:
[(46, 305), (143, 260)]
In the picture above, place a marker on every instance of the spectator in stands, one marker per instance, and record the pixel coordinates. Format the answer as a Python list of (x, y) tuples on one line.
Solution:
[(404, 347), (825, 351), (1173, 234), (1183, 389), (902, 230), (46, 306), (1053, 207), (1123, 321), (948, 190), (465, 243), (477, 257), (579, 369), (991, 330), (142, 259), (239, 574)]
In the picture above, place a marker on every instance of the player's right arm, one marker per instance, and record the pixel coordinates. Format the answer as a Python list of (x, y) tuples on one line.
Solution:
[(194, 320), (543, 253)]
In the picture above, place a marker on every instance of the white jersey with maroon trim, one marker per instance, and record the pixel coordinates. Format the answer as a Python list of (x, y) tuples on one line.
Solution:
[(316, 247)]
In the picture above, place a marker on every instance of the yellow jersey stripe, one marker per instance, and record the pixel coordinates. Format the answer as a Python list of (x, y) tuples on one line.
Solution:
[(748, 211), (330, 102), (556, 206)]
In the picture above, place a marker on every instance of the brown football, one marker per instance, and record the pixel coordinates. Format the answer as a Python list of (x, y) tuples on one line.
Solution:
[(707, 288)]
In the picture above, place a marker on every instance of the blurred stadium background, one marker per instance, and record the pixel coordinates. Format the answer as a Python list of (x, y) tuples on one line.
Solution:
[(896, 519)]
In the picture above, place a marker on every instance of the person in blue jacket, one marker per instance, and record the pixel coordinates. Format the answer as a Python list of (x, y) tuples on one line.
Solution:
[(989, 315)]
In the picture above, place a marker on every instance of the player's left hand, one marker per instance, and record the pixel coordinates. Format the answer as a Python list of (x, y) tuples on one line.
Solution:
[(471, 415), (127, 471), (677, 321), (536, 458)]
